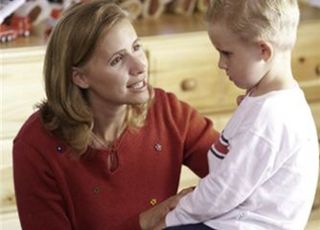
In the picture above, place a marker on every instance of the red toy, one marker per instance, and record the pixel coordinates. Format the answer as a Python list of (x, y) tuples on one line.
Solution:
[(52, 20), (11, 27), (16, 26), (7, 34), (21, 24)]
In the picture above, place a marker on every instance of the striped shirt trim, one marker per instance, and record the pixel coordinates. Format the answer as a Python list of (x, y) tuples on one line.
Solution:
[(221, 148), (221, 157), (223, 140)]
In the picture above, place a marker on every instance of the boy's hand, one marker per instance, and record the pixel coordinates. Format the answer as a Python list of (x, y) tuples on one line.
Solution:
[(153, 218)]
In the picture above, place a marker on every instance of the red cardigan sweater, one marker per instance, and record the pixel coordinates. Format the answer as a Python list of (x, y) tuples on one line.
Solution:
[(56, 191)]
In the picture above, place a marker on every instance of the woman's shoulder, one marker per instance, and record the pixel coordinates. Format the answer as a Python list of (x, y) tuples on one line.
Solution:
[(169, 100), (31, 128), (168, 105), (162, 94), (33, 135)]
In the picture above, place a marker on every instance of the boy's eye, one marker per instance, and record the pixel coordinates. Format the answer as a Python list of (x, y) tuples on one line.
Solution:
[(116, 60), (225, 53), (137, 47)]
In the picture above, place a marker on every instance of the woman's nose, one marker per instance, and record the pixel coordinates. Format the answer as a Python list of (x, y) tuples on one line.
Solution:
[(138, 66)]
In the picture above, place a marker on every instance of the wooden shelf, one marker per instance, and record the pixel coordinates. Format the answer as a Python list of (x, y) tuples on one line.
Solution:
[(165, 24)]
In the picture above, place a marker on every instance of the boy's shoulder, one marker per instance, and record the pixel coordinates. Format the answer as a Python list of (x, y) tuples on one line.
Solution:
[(273, 111)]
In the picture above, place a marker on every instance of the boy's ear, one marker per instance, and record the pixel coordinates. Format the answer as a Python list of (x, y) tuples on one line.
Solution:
[(266, 50), (79, 78)]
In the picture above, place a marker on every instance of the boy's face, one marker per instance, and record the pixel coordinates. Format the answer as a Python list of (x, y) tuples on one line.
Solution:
[(241, 60)]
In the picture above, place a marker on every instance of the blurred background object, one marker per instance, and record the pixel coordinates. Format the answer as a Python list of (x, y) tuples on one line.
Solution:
[(186, 7), (134, 7), (202, 5), (11, 28), (314, 3)]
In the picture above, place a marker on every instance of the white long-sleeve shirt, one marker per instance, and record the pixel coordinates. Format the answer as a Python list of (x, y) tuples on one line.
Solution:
[(263, 171)]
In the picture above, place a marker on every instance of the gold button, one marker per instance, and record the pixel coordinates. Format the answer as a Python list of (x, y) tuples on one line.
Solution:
[(153, 201)]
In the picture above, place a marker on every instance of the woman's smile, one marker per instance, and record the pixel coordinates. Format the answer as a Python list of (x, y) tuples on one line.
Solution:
[(140, 85)]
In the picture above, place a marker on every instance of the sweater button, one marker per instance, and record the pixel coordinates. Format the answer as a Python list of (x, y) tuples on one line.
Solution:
[(153, 201), (96, 189), (59, 149), (158, 147)]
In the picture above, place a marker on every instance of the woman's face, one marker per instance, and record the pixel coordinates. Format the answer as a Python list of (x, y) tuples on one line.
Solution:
[(116, 74)]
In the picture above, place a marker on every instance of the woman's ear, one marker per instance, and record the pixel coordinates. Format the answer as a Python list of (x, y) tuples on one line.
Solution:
[(266, 50), (79, 78)]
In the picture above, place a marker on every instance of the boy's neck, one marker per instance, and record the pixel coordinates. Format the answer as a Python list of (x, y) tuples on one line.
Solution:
[(278, 77)]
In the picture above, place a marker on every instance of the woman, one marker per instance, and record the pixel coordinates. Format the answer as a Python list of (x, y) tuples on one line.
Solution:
[(104, 146)]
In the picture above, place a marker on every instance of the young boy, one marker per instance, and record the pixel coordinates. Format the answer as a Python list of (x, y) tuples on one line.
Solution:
[(263, 170)]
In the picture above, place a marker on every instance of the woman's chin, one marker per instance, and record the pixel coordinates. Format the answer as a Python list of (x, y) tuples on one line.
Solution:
[(140, 98)]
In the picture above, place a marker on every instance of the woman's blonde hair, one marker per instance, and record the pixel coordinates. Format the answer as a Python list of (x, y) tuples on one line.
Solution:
[(66, 111), (275, 21)]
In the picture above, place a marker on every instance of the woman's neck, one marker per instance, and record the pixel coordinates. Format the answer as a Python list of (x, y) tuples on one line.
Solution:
[(109, 123)]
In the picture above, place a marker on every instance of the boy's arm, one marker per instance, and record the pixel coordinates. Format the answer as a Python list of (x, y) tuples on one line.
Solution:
[(230, 182)]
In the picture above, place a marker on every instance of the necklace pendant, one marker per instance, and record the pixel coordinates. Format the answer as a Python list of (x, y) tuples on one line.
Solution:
[(113, 160)]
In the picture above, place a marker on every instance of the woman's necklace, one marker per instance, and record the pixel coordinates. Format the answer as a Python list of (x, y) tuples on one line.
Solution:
[(101, 143), (112, 158)]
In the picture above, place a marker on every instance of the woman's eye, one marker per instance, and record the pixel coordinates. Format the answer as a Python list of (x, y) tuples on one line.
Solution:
[(116, 60)]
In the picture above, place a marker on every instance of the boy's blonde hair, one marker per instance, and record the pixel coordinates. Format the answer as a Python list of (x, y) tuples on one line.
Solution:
[(275, 21)]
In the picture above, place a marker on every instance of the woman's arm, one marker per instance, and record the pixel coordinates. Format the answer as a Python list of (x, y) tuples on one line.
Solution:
[(39, 201), (151, 218)]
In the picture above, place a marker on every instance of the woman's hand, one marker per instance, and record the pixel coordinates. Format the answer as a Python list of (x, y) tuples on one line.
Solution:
[(153, 218)]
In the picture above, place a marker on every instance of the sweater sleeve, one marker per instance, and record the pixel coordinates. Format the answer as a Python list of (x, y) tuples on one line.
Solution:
[(234, 178), (200, 135), (40, 205), (197, 133)]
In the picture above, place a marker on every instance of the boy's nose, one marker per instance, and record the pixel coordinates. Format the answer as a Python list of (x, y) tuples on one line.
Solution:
[(222, 64)]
